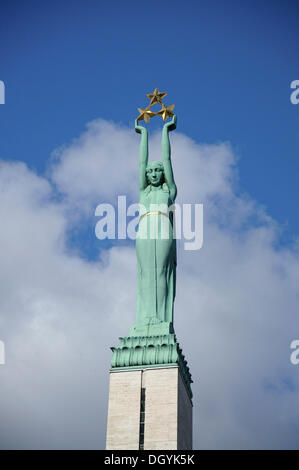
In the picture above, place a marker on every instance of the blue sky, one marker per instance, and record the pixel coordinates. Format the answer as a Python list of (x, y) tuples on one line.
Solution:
[(226, 65)]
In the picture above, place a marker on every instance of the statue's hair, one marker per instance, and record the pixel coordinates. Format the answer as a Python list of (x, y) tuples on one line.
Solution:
[(160, 164)]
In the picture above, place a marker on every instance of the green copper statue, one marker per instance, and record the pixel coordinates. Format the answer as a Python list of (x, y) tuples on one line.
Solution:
[(155, 244), (152, 341)]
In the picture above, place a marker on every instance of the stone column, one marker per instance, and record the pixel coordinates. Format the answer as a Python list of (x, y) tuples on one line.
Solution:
[(167, 408), (124, 410)]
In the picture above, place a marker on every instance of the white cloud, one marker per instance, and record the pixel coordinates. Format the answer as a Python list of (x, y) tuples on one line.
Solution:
[(96, 166), (236, 310)]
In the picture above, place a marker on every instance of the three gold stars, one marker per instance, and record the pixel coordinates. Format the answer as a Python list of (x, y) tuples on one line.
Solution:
[(155, 97)]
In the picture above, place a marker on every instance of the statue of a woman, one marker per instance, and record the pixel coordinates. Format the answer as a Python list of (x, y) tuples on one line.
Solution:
[(155, 244)]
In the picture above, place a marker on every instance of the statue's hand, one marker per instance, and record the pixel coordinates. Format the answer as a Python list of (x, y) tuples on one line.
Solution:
[(171, 125), (139, 129)]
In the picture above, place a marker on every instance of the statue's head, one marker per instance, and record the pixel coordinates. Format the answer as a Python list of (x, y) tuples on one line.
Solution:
[(155, 173)]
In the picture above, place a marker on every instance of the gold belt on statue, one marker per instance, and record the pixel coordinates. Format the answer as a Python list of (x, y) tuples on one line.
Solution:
[(153, 212)]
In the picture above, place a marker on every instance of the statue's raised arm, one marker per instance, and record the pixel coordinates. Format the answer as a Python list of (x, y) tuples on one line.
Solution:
[(143, 155), (166, 157)]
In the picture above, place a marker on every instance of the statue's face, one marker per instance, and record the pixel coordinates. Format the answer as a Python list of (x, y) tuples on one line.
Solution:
[(155, 173)]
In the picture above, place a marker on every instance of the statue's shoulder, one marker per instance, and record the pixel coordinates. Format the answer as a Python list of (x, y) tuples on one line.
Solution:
[(146, 191), (144, 196), (165, 188)]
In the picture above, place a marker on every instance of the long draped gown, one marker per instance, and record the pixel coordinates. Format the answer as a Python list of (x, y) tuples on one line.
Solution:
[(156, 257)]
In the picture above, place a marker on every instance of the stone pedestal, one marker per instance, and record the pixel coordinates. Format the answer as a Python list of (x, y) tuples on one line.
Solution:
[(149, 408)]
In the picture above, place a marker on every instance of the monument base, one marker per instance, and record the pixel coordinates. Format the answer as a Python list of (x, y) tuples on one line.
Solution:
[(149, 409), (151, 351)]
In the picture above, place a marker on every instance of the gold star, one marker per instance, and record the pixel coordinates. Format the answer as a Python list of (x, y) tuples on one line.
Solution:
[(166, 111), (156, 97), (145, 114)]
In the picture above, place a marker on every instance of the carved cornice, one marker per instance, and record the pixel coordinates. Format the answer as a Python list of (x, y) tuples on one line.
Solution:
[(153, 351)]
